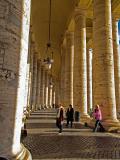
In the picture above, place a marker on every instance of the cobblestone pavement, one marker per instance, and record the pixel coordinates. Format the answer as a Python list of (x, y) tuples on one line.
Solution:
[(44, 142)]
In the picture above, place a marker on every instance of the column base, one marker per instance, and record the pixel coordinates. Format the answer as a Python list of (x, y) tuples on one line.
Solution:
[(39, 107), (46, 106), (85, 118), (24, 154), (109, 125), (50, 106), (33, 108)]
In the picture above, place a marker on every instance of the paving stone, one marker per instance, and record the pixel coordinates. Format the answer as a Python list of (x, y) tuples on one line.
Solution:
[(73, 144)]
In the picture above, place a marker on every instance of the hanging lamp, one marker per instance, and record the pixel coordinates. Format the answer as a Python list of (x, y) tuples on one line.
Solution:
[(48, 61)]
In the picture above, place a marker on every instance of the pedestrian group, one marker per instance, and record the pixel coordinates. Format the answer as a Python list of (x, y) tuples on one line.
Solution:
[(69, 116)]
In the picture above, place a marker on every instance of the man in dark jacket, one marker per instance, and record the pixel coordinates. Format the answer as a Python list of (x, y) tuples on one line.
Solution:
[(70, 115)]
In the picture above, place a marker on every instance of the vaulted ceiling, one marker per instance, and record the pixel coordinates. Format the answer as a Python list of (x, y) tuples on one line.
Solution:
[(61, 11), (61, 14)]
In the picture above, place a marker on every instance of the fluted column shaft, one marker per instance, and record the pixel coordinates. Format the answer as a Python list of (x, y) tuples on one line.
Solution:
[(116, 62), (69, 58), (14, 32), (89, 79), (103, 63), (80, 75), (38, 83), (34, 89)]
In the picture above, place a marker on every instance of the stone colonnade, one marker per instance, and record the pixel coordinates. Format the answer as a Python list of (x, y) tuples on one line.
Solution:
[(75, 88), (68, 89), (62, 75), (103, 61), (116, 54), (89, 79), (42, 92), (80, 69), (96, 70), (23, 78)]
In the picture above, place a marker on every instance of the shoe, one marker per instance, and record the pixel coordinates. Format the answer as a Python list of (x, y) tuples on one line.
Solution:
[(59, 133)]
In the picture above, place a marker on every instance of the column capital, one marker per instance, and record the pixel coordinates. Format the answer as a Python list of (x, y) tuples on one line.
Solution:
[(69, 33), (79, 13), (80, 17)]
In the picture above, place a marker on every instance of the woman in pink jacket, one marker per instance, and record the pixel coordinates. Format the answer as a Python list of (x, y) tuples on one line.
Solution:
[(98, 116)]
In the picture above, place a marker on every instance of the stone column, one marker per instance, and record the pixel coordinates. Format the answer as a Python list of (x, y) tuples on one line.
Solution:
[(62, 75), (42, 86), (14, 32), (31, 75), (103, 63), (26, 88), (28, 79), (50, 92), (34, 88), (53, 95), (116, 61), (69, 58), (57, 92), (38, 84), (46, 89), (80, 74), (89, 79)]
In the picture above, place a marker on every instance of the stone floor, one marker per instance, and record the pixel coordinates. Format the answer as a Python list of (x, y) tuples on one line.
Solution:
[(78, 143)]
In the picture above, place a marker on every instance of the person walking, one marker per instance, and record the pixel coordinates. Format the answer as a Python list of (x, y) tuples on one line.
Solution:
[(98, 117), (70, 116), (60, 118)]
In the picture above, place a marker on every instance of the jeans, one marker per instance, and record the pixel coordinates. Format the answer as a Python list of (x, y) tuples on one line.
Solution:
[(60, 128), (98, 123), (71, 123)]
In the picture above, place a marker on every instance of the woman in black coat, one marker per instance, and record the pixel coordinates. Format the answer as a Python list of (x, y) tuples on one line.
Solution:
[(70, 115)]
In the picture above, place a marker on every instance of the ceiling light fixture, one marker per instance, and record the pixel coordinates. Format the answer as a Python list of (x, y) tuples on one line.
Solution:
[(48, 61)]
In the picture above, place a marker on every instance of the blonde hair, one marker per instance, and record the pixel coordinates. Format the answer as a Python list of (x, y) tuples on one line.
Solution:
[(97, 106)]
